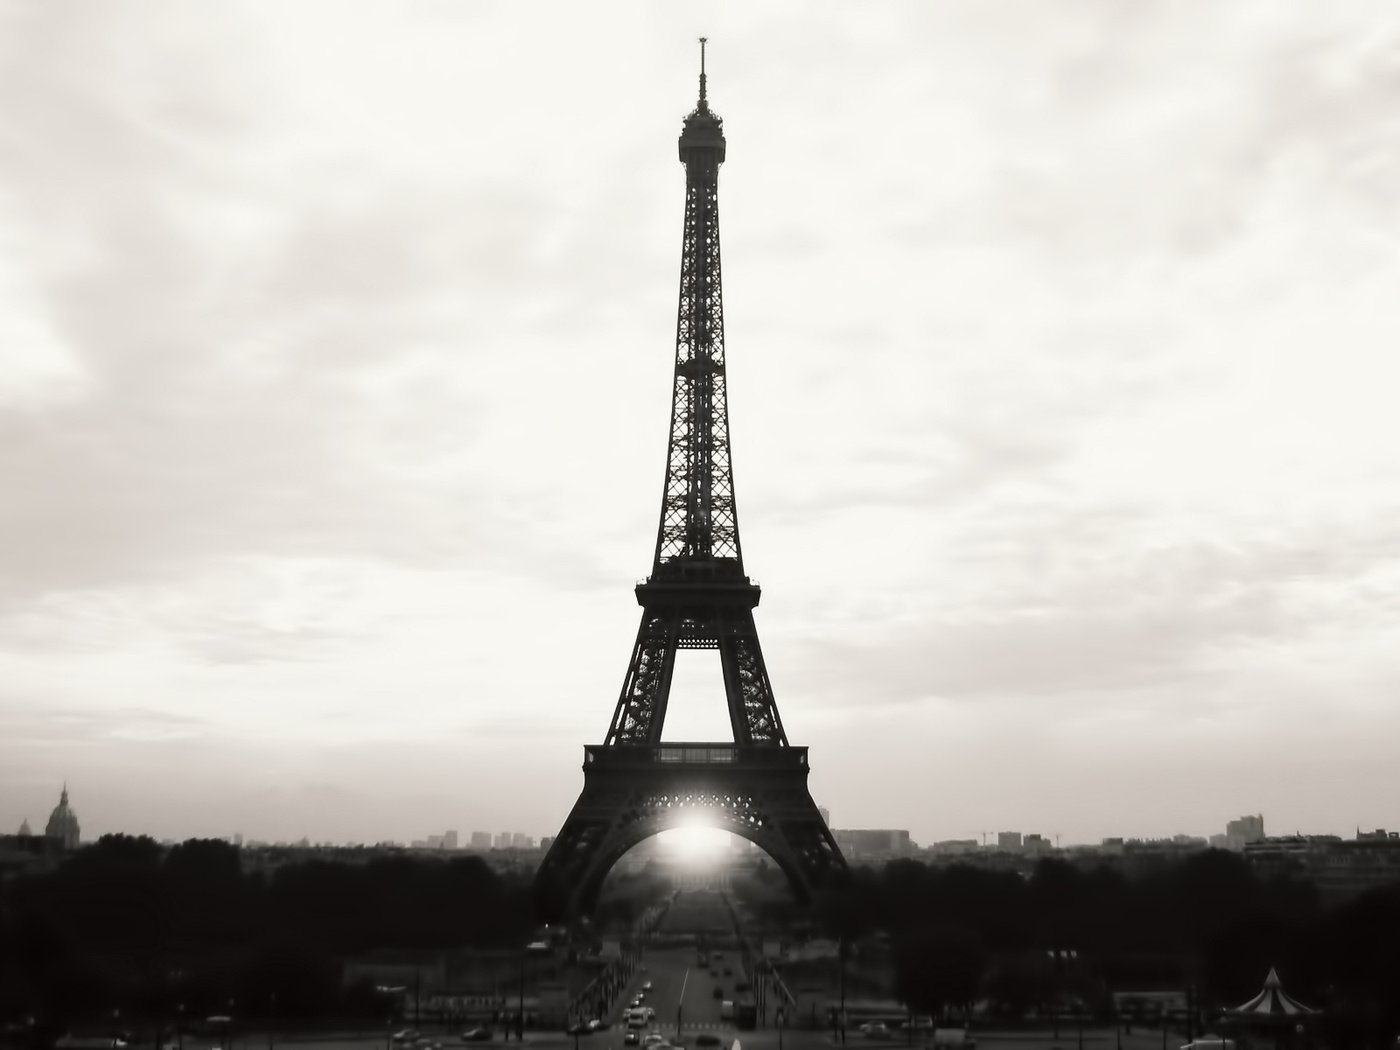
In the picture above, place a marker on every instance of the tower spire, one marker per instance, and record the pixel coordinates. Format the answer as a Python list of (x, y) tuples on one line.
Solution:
[(703, 41)]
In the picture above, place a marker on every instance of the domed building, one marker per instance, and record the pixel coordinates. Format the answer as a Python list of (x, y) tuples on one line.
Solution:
[(63, 824), (24, 828)]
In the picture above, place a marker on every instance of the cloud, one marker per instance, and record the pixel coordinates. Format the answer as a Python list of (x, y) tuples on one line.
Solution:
[(336, 365)]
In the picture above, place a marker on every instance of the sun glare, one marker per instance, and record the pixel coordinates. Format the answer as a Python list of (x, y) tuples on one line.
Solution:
[(695, 841)]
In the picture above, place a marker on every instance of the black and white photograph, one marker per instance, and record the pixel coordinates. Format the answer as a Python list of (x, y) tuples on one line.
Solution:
[(383, 665)]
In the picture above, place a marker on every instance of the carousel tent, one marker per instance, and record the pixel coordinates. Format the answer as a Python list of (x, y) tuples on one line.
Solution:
[(1272, 1001)]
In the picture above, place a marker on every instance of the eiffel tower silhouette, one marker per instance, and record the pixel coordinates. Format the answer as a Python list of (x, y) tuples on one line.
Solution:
[(697, 597)]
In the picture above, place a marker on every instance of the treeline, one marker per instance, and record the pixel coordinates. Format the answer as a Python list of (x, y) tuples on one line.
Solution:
[(1066, 937), (126, 925)]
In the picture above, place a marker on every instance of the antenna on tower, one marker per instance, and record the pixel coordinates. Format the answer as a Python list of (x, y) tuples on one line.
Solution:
[(703, 41)]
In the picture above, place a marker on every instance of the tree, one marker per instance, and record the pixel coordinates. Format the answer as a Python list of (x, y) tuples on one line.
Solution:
[(938, 968)]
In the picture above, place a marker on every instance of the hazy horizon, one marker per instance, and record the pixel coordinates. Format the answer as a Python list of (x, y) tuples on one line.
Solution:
[(336, 346)]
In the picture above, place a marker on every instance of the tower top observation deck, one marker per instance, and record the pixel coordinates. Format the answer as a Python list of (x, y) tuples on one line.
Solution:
[(704, 129)]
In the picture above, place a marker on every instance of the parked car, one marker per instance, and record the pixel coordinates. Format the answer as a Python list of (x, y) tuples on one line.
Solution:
[(408, 1035), (476, 1035), (875, 1030), (632, 1039), (646, 986), (578, 1028)]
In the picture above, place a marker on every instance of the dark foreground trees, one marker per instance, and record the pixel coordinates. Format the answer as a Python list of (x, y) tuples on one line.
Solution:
[(1066, 937), (126, 929)]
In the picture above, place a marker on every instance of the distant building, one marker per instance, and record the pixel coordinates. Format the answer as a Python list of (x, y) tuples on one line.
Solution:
[(825, 814), (1035, 844), (24, 827), (1009, 840), (502, 840), (1340, 868), (873, 842), (953, 847), (481, 840), (546, 842), (449, 840), (63, 824), (520, 840), (1240, 833)]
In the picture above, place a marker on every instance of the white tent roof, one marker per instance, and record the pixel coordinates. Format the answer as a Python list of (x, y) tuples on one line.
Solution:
[(1272, 1001)]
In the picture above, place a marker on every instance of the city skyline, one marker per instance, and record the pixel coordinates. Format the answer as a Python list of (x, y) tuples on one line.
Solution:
[(337, 352), (696, 835)]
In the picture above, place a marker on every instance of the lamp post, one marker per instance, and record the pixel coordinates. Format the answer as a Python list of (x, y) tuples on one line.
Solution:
[(841, 959), (520, 1015)]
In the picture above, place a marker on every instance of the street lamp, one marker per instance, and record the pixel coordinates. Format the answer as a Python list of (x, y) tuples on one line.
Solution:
[(520, 1014)]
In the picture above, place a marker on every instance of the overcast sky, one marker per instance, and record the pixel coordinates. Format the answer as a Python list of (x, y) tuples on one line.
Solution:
[(335, 352)]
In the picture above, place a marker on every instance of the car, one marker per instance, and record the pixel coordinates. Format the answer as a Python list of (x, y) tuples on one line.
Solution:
[(708, 1039), (651, 1014), (476, 1035), (718, 993), (408, 1035), (653, 1039), (578, 1028), (631, 1039), (598, 1025), (875, 1030), (636, 1002), (646, 986)]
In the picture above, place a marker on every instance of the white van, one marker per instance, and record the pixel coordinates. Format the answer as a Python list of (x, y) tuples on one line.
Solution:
[(637, 1018)]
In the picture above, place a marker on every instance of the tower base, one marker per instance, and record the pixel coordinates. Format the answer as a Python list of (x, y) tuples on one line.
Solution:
[(634, 791)]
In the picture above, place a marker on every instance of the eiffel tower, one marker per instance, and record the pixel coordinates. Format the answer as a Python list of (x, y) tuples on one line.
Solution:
[(697, 597)]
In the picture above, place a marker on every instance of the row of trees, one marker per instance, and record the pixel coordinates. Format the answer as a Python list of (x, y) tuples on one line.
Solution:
[(1065, 936), (126, 925)]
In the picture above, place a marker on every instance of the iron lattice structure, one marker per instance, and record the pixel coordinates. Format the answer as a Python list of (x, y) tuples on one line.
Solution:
[(697, 597)]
